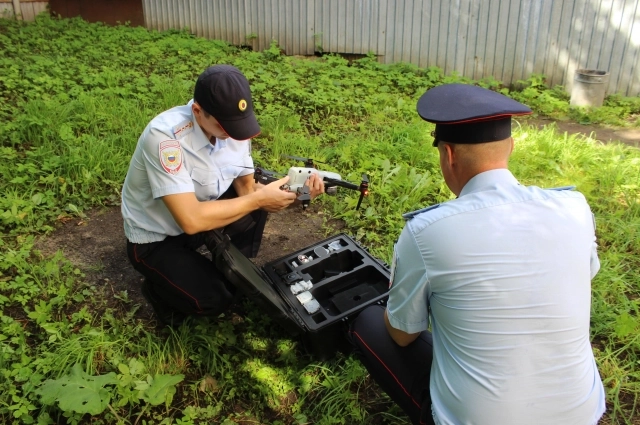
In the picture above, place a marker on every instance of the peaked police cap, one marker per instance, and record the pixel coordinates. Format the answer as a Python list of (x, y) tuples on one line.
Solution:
[(468, 114)]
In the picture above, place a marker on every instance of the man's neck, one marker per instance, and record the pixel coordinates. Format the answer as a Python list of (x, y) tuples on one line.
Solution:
[(464, 178)]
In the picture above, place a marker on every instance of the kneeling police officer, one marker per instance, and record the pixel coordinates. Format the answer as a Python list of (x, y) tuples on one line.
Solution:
[(191, 173), (502, 274)]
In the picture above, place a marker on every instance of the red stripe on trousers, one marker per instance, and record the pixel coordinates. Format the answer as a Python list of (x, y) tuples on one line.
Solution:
[(390, 373), (166, 278)]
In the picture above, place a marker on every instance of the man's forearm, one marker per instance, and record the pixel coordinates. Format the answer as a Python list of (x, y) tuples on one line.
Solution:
[(244, 185), (194, 216)]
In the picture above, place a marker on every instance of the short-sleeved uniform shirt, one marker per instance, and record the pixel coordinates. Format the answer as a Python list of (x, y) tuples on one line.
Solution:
[(174, 156), (504, 271)]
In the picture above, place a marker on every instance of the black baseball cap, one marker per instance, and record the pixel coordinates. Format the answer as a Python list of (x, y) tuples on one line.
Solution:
[(468, 114), (223, 92)]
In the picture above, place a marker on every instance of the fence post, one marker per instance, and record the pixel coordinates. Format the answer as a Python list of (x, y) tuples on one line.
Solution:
[(17, 11)]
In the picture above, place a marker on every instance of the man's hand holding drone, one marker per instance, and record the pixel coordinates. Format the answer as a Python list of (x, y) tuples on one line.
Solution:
[(308, 182), (274, 190), (315, 185), (273, 198)]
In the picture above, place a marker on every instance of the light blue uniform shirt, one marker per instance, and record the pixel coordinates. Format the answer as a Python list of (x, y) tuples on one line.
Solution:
[(174, 156), (506, 273)]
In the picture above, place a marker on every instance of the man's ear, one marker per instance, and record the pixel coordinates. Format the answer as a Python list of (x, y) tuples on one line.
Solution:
[(450, 154), (196, 109)]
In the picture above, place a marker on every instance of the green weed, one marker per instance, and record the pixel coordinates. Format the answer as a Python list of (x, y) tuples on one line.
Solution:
[(74, 98)]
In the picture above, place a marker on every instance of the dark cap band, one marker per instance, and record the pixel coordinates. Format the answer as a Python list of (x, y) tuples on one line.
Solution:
[(474, 132)]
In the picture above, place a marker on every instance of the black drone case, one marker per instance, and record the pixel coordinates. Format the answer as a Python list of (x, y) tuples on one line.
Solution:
[(345, 279)]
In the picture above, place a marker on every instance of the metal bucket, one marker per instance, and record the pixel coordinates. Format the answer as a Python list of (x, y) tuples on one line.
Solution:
[(589, 87)]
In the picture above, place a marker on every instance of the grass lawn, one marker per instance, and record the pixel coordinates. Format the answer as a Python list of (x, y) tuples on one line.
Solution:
[(74, 98)]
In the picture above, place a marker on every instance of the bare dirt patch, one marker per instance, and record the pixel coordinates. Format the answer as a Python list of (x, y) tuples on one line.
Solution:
[(628, 136), (97, 246)]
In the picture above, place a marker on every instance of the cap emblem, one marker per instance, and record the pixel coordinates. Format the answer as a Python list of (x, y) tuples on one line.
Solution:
[(242, 105)]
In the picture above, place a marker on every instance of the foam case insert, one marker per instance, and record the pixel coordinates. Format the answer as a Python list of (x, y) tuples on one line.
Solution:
[(314, 292)]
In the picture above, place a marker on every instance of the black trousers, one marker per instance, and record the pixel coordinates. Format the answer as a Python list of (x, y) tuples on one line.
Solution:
[(185, 280), (402, 372)]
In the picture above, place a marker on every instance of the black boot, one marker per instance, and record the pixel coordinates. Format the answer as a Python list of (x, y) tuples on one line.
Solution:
[(165, 314)]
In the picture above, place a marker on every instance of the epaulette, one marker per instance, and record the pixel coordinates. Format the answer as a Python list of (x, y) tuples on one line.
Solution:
[(410, 215), (182, 129), (562, 188)]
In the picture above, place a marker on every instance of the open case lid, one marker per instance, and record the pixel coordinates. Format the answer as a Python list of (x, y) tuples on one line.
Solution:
[(246, 276)]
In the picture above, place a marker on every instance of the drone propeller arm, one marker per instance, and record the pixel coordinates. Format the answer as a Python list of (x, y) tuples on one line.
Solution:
[(264, 177), (363, 188), (328, 182)]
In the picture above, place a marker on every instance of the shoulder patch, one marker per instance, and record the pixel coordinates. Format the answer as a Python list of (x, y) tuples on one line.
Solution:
[(410, 215), (182, 129), (171, 156), (562, 188)]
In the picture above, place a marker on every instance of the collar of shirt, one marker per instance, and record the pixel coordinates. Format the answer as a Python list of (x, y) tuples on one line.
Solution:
[(479, 182), (201, 139), (215, 147)]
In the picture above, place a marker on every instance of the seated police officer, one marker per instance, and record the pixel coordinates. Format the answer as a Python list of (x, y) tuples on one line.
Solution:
[(192, 172), (503, 272)]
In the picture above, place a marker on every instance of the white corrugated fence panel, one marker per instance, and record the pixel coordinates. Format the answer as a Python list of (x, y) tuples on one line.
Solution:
[(31, 9), (287, 22), (240, 22), (508, 40), (28, 9), (6, 10), (352, 27)]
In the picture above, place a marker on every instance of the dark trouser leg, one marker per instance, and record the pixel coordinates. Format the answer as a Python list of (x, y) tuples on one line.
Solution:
[(246, 233), (180, 277), (402, 372)]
